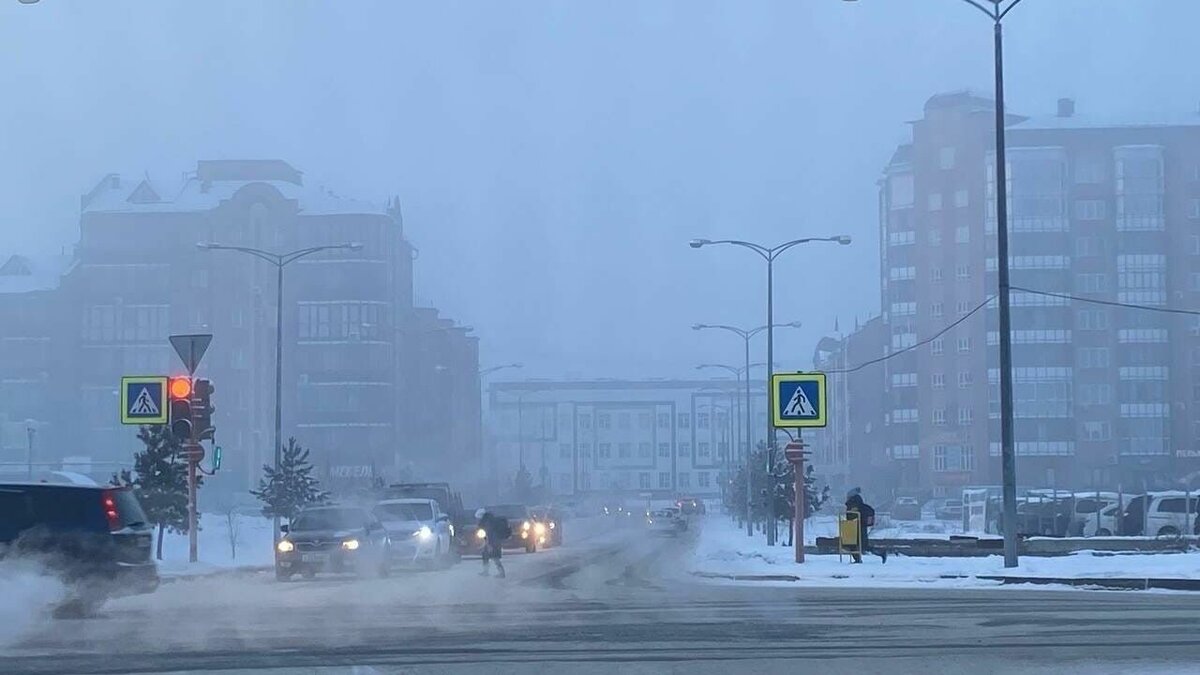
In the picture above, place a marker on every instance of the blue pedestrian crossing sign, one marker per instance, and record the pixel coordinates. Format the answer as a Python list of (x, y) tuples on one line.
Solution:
[(144, 400), (798, 400)]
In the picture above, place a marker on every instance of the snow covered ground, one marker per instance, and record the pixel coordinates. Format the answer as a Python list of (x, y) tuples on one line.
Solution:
[(253, 546), (724, 549), (825, 525)]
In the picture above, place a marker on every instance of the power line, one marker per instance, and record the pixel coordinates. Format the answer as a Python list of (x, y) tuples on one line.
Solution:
[(911, 347), (1109, 303)]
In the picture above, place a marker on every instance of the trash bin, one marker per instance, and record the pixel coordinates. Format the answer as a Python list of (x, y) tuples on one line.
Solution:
[(848, 539)]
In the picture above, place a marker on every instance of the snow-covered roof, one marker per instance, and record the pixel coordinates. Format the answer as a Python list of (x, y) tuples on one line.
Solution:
[(1191, 119), (216, 182), (26, 274)]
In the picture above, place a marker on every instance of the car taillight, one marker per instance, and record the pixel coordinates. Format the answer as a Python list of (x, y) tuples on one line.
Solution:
[(111, 513)]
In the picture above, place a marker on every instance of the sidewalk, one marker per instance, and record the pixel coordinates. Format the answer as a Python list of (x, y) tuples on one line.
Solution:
[(724, 552)]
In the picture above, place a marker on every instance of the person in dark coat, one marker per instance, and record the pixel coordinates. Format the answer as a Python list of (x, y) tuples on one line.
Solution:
[(866, 519), (496, 531)]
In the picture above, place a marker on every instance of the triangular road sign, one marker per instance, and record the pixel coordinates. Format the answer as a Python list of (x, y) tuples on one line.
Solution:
[(799, 405), (190, 349), (144, 404)]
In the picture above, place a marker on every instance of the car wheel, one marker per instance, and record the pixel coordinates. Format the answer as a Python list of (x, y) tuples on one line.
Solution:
[(1168, 531), (281, 575), (308, 574), (1103, 532)]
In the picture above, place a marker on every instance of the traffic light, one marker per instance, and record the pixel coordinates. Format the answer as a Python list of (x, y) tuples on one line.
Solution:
[(180, 390), (202, 410), (217, 458)]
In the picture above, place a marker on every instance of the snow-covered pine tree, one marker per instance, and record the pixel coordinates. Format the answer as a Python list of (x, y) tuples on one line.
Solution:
[(286, 491)]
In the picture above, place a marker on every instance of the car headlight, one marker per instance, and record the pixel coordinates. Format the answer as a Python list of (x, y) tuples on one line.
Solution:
[(285, 546), (552, 525), (525, 525), (480, 534), (350, 544), (540, 529), (424, 534)]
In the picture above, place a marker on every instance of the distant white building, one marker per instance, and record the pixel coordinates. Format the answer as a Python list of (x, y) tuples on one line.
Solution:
[(667, 437)]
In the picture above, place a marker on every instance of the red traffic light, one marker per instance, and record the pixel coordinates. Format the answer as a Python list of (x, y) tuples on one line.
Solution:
[(181, 387)]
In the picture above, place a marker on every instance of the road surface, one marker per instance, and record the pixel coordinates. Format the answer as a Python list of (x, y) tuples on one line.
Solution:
[(614, 601)]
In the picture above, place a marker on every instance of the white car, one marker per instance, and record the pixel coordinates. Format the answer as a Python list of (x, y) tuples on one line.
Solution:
[(421, 534), (666, 521), (1105, 525), (1170, 515)]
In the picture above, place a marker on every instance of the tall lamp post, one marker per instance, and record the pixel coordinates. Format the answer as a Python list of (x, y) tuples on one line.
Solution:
[(746, 335), (484, 372), (769, 254), (996, 10), (280, 261)]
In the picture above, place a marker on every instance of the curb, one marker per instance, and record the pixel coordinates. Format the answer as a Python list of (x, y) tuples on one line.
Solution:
[(228, 571), (1112, 583)]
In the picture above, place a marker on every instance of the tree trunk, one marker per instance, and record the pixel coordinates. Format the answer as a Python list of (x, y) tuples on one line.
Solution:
[(158, 551)]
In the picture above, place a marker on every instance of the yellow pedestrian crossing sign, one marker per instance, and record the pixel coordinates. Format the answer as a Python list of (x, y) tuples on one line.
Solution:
[(144, 400), (798, 400)]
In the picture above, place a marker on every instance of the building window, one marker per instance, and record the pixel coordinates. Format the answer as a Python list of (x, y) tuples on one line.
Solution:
[(1086, 247), (965, 417), (1194, 208), (585, 449), (664, 449), (701, 420), (1097, 431), (935, 274), (937, 346), (935, 201), (936, 310), (704, 449), (685, 420), (1095, 394), (644, 480), (902, 273), (953, 458), (624, 450), (962, 271), (702, 478), (904, 452), (902, 238), (904, 416), (965, 380), (964, 345), (1090, 283), (605, 450), (1093, 357), (960, 198), (937, 380), (1093, 319), (664, 480), (644, 420), (685, 449), (935, 237), (685, 479), (962, 307), (585, 421), (564, 451), (962, 234), (946, 158), (939, 417), (904, 308), (904, 379), (664, 420), (604, 421), (1091, 209), (644, 450)]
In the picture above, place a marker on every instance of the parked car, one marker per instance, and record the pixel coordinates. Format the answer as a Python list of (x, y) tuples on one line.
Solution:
[(1045, 516), (420, 533), (95, 538), (336, 539), (943, 509), (906, 508), (669, 521), (1103, 526), (1086, 507), (1168, 515)]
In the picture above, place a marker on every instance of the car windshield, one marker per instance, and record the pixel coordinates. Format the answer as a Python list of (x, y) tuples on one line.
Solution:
[(328, 519), (404, 511), (510, 511)]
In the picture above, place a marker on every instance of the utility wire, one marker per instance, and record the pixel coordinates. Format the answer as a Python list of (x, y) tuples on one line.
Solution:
[(1109, 303)]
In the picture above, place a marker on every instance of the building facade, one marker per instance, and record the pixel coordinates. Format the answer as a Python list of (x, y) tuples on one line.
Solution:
[(1099, 212), (349, 370), (666, 437)]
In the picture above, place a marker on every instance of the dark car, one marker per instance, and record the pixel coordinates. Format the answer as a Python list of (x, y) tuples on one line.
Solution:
[(906, 508), (95, 538), (690, 506), (520, 523), (547, 525), (336, 539)]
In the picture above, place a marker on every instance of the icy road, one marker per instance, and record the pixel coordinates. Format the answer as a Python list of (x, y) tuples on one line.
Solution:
[(615, 601)]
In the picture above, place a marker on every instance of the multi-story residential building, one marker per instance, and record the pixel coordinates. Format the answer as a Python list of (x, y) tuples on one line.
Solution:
[(1098, 210), (647, 436), (350, 372)]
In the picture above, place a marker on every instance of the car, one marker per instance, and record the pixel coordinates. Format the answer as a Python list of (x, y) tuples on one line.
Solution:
[(906, 508), (548, 525), (669, 521), (1103, 526), (690, 506), (1090, 506), (521, 525), (420, 533), (95, 538), (1166, 516), (335, 539), (949, 509)]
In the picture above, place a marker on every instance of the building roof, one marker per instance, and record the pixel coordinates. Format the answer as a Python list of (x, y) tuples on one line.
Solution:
[(214, 182), (26, 274), (1160, 120)]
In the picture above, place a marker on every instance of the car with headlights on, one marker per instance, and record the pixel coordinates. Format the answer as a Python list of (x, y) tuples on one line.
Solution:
[(669, 521), (334, 539), (547, 525), (520, 523), (420, 533)]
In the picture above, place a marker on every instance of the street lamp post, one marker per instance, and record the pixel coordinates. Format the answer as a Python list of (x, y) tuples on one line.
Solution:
[(746, 335), (484, 372), (280, 261), (769, 254), (996, 10)]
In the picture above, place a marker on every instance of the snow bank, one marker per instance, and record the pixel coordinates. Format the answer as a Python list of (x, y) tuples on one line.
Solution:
[(724, 549), (254, 541)]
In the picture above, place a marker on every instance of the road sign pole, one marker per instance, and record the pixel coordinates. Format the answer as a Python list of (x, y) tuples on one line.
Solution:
[(795, 454), (193, 554)]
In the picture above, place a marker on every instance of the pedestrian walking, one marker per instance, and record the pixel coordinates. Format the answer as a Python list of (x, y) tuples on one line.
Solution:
[(495, 531), (866, 519)]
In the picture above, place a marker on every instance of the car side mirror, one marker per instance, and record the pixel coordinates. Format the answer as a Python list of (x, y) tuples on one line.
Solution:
[(283, 529)]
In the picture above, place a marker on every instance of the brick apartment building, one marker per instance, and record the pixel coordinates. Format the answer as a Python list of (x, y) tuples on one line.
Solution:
[(351, 370), (1101, 210)]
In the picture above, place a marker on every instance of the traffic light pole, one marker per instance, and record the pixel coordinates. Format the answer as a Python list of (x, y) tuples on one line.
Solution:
[(193, 460)]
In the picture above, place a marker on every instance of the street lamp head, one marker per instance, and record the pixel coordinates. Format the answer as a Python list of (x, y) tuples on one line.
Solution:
[(204, 246), (697, 243), (699, 326), (794, 324), (354, 246), (843, 239), (28, 2)]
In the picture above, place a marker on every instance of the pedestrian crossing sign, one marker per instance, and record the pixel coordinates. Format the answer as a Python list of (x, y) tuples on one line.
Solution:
[(798, 400), (144, 400)]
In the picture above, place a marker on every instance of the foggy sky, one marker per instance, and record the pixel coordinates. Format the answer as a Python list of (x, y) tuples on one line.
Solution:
[(554, 157)]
